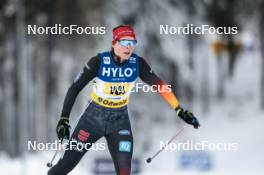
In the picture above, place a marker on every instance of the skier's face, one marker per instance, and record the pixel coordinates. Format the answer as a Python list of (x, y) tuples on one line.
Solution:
[(123, 52)]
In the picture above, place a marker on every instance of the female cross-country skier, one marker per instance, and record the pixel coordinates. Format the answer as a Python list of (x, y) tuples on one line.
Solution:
[(114, 74)]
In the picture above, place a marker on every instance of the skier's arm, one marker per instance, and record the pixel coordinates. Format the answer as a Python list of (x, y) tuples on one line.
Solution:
[(85, 76), (148, 76), (88, 72)]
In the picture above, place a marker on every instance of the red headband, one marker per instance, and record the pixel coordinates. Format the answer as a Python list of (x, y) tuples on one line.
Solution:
[(122, 31)]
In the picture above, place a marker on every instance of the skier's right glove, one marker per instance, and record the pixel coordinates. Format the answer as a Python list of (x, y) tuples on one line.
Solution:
[(63, 128)]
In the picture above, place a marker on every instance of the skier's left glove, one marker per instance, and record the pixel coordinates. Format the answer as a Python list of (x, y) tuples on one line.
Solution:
[(188, 117)]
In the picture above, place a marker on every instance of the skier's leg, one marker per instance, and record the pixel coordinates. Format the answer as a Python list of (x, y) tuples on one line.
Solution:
[(84, 133), (120, 145)]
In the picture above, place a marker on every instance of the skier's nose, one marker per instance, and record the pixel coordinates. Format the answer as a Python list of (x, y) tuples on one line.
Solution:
[(129, 46)]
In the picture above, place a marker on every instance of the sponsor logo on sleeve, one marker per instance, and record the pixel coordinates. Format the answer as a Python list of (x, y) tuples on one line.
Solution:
[(78, 76)]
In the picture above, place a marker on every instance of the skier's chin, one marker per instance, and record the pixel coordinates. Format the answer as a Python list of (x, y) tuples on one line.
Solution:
[(126, 55)]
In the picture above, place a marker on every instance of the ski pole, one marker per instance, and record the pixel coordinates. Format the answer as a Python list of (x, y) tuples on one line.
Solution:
[(159, 151), (49, 164)]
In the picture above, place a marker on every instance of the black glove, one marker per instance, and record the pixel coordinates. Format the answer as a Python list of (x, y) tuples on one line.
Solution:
[(188, 117), (63, 128)]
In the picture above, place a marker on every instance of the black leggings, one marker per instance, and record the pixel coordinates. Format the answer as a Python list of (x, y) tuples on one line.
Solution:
[(97, 122)]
